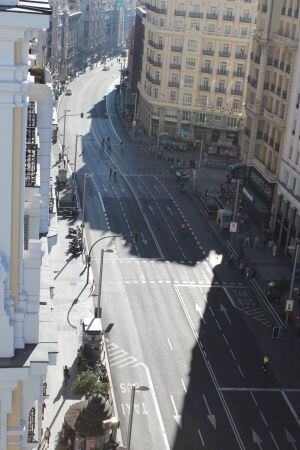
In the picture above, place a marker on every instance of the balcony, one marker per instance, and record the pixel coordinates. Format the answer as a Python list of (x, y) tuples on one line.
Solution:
[(240, 55), (259, 134), (245, 19), (208, 52), (285, 41), (288, 68), (257, 59), (155, 9), (176, 48), (212, 16), (278, 90), (31, 157), (277, 146), (229, 17), (272, 117), (32, 115), (272, 87), (196, 15), (271, 142), (178, 12), (266, 137), (264, 8), (269, 61), (236, 92), (239, 73), (247, 131), (157, 45), (290, 12), (284, 95), (275, 62), (173, 83), (283, 10), (153, 62), (204, 87), (281, 65), (252, 81), (220, 90), (206, 69), (224, 54), (175, 66), (222, 72), (152, 80)]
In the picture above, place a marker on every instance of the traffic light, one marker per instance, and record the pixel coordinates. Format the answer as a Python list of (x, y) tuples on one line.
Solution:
[(82, 115), (136, 236)]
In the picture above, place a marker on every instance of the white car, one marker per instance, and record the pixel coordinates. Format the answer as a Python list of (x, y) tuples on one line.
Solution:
[(68, 92), (105, 68)]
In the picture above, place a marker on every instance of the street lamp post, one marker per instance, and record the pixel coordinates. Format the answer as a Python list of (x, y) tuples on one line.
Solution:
[(88, 259), (135, 107), (100, 278), (64, 135), (133, 389), (292, 281), (75, 157), (199, 165), (83, 199), (235, 206)]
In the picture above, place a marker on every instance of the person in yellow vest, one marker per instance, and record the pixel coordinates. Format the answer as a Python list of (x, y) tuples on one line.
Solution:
[(265, 363)]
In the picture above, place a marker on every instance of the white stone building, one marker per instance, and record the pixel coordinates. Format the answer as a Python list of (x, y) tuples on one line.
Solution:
[(26, 102)]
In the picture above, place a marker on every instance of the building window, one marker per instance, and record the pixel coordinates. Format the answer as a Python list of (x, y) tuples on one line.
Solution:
[(203, 100), (186, 115), (221, 84), (227, 30), (173, 96), (240, 68), (178, 25), (206, 82), (219, 102), (211, 29), (244, 31), (192, 45), (237, 86), (290, 152), (155, 93), (195, 26), (186, 97), (226, 49), (213, 10), (190, 62), (217, 118), (188, 80), (209, 46), (235, 104)]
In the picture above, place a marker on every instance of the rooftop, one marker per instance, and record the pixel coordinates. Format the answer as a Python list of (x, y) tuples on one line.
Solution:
[(27, 7)]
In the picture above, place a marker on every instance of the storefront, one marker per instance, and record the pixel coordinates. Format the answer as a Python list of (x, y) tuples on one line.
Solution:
[(258, 194)]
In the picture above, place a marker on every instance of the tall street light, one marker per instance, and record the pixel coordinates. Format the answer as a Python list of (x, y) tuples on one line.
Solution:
[(292, 282), (75, 157), (108, 250), (86, 175), (133, 389), (64, 135)]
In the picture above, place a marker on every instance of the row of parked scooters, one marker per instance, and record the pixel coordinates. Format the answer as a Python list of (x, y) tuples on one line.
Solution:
[(75, 245)]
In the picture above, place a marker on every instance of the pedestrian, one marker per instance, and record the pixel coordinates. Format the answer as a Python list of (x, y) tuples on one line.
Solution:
[(43, 409), (247, 241), (66, 375), (253, 273), (47, 435), (242, 267), (115, 172), (79, 356), (265, 363), (110, 172), (247, 272), (274, 249)]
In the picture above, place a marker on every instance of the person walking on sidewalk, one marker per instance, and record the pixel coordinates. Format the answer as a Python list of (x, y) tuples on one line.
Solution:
[(274, 249), (66, 375), (47, 435)]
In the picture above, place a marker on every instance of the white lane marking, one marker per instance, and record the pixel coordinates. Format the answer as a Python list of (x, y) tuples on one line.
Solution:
[(130, 358), (263, 418), (232, 354), (176, 416), (225, 339), (276, 445), (211, 373), (117, 357), (218, 325), (240, 370), (170, 345), (291, 407), (184, 386), (200, 435), (281, 390), (254, 399), (199, 310), (224, 310), (211, 417)]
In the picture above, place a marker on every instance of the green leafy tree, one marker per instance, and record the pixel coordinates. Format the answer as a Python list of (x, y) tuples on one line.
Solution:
[(87, 384)]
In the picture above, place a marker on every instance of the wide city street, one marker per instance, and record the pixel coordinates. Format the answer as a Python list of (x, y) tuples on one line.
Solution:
[(181, 321)]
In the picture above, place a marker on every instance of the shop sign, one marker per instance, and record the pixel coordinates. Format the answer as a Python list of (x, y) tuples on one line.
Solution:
[(262, 185), (233, 227), (90, 444), (289, 305), (248, 195)]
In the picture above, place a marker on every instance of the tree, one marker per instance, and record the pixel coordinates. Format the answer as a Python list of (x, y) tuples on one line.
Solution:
[(87, 384)]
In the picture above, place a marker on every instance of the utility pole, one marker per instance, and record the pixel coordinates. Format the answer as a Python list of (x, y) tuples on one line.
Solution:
[(199, 165), (100, 281), (235, 205), (75, 156), (64, 135)]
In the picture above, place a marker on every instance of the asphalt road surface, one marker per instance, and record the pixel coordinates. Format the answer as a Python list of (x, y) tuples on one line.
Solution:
[(183, 322)]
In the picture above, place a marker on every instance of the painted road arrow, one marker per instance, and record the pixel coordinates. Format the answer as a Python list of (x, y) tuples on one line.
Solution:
[(211, 417), (176, 416), (170, 210), (291, 440), (257, 440), (200, 312), (224, 310), (151, 209)]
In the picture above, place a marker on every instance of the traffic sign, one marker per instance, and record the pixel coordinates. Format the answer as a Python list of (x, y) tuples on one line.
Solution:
[(233, 227), (289, 305)]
